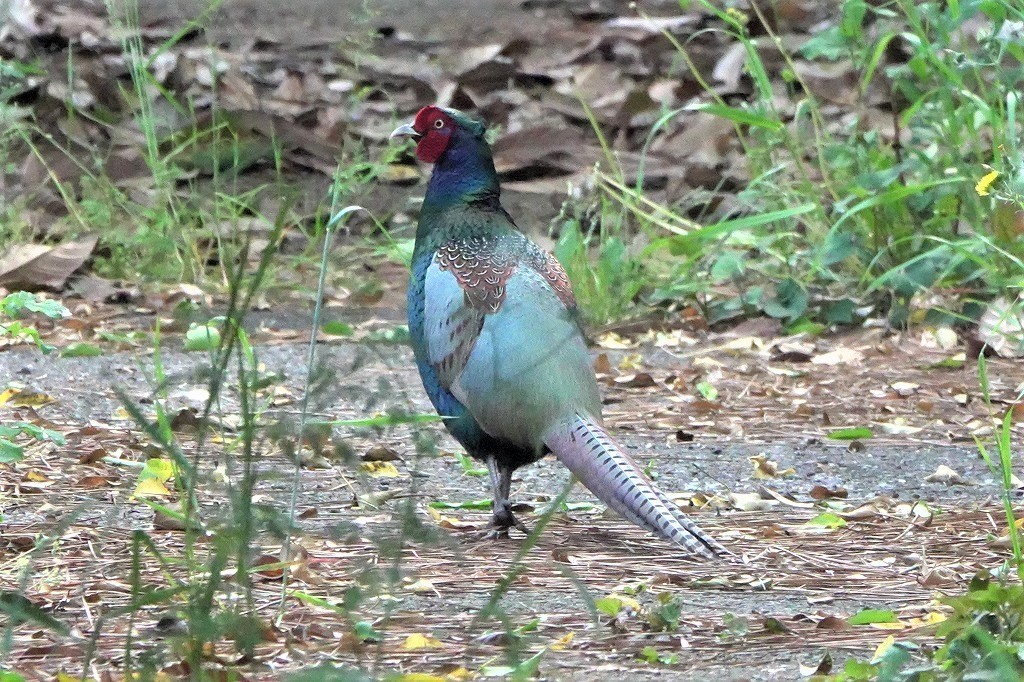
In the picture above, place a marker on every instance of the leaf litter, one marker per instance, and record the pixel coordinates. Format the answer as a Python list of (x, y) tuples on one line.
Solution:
[(803, 566)]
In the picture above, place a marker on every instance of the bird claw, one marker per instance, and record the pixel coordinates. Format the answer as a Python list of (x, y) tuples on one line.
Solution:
[(502, 521), (496, 534)]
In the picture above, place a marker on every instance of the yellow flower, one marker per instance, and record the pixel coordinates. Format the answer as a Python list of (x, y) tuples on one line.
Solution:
[(982, 187), (739, 16)]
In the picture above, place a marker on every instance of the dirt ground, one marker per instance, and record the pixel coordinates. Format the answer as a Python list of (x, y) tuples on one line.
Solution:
[(465, 22), (753, 466), (908, 537)]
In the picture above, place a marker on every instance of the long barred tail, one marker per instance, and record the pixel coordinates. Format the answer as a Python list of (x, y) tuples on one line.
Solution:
[(600, 464)]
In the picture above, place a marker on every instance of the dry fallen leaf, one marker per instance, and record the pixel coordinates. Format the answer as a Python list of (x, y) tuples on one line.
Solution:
[(944, 474), (638, 380), (24, 397), (1001, 327), (820, 492), (416, 641), (380, 453), (379, 469), (151, 487), (562, 642), (37, 266), (750, 502), (765, 468), (613, 341), (421, 586), (840, 356), (904, 388)]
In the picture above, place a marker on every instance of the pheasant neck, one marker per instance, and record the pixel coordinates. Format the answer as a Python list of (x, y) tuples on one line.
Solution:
[(464, 174)]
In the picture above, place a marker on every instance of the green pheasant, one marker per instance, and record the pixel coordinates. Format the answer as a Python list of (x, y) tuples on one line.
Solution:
[(493, 323)]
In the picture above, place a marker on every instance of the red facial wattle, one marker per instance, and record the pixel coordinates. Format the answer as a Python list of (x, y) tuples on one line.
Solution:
[(435, 128)]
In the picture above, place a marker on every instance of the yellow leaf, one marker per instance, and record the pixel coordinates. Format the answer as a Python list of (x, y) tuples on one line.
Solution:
[(627, 602), (613, 340), (420, 586), (563, 641), (898, 625), (418, 641), (380, 469), (631, 362), (25, 397), (986, 181), (158, 468), (765, 468), (458, 675), (34, 476), (418, 677), (150, 487), (930, 618), (882, 648), (448, 521)]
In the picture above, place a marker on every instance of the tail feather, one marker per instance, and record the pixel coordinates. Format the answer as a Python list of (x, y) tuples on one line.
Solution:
[(601, 465)]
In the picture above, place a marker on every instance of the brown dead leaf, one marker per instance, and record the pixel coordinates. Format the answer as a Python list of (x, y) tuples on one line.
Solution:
[(638, 380), (380, 453), (833, 623), (865, 511), (561, 149), (820, 492), (97, 481), (92, 455), (44, 266), (274, 569), (835, 82)]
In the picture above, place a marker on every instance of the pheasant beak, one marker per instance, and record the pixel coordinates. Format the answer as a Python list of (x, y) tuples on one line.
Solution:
[(405, 131)]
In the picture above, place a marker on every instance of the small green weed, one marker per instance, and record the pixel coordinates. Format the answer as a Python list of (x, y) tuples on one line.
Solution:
[(14, 308), (607, 286), (20, 305)]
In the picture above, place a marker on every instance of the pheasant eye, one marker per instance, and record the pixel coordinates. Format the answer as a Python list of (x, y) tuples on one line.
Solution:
[(439, 123)]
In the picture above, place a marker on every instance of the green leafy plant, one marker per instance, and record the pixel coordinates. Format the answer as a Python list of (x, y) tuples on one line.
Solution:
[(13, 309), (22, 304), (842, 220), (607, 277), (10, 451)]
